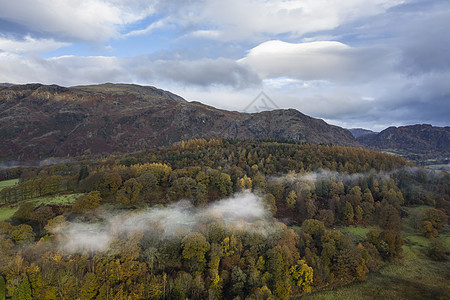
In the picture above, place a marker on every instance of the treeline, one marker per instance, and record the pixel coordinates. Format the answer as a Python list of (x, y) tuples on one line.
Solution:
[(43, 185)]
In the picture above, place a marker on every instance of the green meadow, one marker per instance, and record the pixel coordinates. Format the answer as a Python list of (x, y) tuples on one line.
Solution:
[(8, 210), (8, 183)]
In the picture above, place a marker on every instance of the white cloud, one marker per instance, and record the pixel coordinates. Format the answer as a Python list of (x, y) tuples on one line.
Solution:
[(83, 20), (29, 45), (324, 60), (250, 19), (148, 29)]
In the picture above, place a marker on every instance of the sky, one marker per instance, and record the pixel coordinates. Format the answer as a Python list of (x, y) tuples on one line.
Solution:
[(354, 63)]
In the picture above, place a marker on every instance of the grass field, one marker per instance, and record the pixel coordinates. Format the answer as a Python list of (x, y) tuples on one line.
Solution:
[(6, 211), (8, 183), (358, 233), (416, 277)]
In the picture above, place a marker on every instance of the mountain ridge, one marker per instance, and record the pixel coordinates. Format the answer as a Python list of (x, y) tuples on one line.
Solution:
[(418, 141), (40, 121)]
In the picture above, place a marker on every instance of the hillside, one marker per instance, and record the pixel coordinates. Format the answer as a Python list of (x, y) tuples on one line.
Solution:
[(358, 132), (39, 121), (415, 141)]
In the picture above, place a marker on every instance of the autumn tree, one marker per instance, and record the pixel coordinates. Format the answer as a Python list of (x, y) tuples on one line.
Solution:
[(194, 247), (129, 193), (87, 202), (302, 275), (291, 199)]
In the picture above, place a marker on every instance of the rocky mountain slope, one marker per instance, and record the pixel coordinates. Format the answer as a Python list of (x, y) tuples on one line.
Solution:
[(358, 132), (39, 121), (416, 140)]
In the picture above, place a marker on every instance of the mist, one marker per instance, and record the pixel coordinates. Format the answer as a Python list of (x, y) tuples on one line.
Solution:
[(243, 211)]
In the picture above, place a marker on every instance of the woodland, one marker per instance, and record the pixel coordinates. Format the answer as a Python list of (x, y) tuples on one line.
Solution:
[(214, 219)]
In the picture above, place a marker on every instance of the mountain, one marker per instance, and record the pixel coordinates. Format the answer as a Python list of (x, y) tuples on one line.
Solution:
[(39, 121), (5, 84), (415, 141), (358, 132)]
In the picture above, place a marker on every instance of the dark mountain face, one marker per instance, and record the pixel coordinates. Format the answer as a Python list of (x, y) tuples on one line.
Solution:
[(39, 121), (424, 140), (358, 132)]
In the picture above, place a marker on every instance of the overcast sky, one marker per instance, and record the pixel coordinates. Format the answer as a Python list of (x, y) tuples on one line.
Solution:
[(354, 63)]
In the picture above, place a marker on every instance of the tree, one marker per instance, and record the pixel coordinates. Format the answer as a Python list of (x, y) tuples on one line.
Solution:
[(426, 227), (388, 243), (129, 193), (437, 250), (87, 202), (313, 227), (84, 172), (23, 291), (89, 287), (326, 216), (389, 217), (22, 234), (238, 281), (435, 216), (2, 288), (244, 183), (347, 212), (302, 275), (41, 215), (194, 247), (24, 212), (291, 199)]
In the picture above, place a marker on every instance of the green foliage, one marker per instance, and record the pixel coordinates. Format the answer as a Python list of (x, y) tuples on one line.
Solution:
[(2, 288), (436, 217), (291, 199), (388, 243), (437, 250), (89, 287), (194, 247), (23, 291), (24, 212), (22, 234)]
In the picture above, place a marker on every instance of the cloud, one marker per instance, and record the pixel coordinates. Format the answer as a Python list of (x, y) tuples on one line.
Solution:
[(72, 70), (324, 60), (64, 70), (424, 40), (242, 211), (148, 29), (83, 20), (206, 72), (250, 19), (29, 44)]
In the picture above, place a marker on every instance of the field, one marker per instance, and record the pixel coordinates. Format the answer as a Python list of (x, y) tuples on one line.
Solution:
[(416, 277), (6, 211), (358, 233), (8, 183)]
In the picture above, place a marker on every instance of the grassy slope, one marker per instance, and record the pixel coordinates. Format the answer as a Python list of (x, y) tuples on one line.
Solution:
[(417, 277), (6, 211), (8, 183)]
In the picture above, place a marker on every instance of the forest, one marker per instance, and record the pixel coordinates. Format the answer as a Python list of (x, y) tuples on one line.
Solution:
[(214, 219)]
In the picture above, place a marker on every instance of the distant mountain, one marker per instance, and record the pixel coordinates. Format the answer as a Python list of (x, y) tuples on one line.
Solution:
[(39, 121), (415, 141), (5, 84), (358, 132)]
